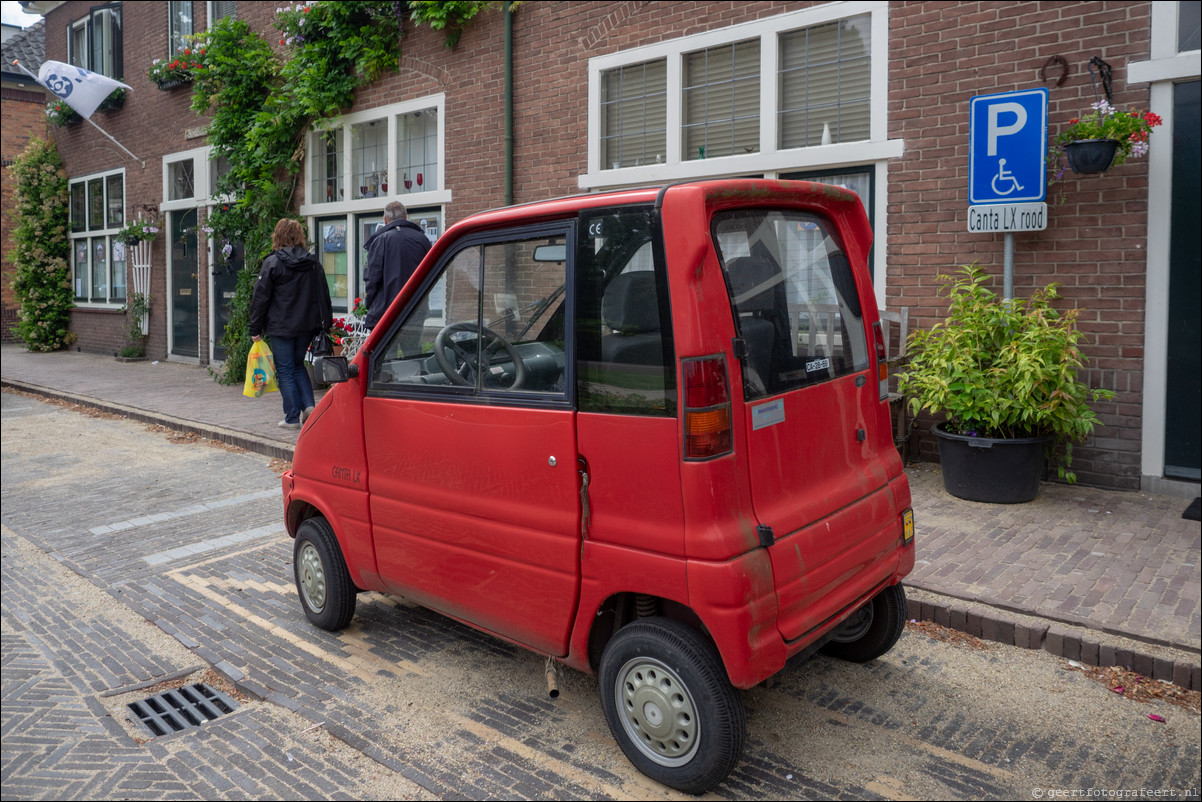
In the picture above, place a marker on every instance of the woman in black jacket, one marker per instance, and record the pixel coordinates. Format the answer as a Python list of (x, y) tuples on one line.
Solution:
[(291, 303)]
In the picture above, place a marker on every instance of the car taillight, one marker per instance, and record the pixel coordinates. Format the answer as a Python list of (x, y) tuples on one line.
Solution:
[(882, 360), (707, 426)]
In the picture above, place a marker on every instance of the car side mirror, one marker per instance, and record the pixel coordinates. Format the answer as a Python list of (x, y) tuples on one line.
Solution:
[(334, 369)]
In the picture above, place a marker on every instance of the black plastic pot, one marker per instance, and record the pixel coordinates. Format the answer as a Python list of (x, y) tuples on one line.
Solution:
[(991, 470), (1088, 156)]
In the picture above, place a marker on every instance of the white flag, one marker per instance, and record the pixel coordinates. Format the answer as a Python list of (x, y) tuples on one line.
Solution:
[(78, 88)]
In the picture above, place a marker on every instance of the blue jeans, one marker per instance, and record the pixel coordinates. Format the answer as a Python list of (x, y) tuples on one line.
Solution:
[(295, 388)]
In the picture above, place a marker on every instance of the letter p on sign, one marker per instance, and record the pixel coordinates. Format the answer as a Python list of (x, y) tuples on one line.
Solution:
[(997, 110)]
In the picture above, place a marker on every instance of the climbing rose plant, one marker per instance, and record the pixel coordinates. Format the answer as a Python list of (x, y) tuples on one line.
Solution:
[(42, 282)]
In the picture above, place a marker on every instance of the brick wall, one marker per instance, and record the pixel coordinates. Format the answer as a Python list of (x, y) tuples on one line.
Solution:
[(943, 54), (22, 116)]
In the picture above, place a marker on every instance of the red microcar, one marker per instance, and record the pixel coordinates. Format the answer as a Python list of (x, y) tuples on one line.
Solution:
[(645, 433)]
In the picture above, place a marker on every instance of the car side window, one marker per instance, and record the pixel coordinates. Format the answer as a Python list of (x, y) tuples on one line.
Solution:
[(625, 355), (794, 299), (492, 320)]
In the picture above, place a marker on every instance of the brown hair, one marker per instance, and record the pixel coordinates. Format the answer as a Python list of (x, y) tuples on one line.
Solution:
[(288, 232)]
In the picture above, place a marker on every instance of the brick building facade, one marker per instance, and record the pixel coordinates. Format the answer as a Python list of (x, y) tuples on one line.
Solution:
[(885, 112)]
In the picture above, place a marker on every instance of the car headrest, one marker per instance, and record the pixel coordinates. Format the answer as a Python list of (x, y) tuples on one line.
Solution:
[(630, 305), (753, 283)]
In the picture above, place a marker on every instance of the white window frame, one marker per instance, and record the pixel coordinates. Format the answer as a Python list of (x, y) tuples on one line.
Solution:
[(106, 232), (388, 113), (201, 190), (772, 160), (84, 59)]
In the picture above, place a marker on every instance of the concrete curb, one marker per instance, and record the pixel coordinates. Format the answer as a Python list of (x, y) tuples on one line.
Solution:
[(249, 442), (1085, 646)]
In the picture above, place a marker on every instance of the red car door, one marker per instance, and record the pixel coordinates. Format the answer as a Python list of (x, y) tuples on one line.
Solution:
[(471, 444)]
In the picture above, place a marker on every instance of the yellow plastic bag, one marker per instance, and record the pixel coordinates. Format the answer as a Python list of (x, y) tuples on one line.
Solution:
[(260, 372)]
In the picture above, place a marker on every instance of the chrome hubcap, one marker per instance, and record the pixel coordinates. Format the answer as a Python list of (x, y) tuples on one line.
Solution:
[(657, 711), (312, 577)]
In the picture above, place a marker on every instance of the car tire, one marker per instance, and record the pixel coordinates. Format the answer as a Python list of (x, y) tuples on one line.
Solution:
[(872, 630), (322, 581), (670, 706)]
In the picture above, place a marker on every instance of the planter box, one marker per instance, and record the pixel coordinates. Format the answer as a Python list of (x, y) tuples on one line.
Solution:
[(991, 470), (1090, 156)]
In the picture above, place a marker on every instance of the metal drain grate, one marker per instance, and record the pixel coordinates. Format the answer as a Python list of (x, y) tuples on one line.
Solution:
[(181, 708)]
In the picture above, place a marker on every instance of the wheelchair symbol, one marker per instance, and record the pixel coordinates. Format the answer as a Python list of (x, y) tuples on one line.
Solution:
[(1004, 176)]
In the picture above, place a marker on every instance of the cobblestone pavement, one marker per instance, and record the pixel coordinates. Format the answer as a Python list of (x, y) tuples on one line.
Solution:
[(157, 573)]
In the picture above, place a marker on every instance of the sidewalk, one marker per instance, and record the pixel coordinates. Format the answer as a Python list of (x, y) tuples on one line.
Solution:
[(1099, 576)]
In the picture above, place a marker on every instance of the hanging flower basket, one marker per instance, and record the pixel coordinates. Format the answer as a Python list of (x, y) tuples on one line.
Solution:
[(1091, 156), (172, 83), (114, 101)]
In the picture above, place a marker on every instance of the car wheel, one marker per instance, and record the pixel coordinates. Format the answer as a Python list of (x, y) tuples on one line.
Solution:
[(670, 705), (872, 630), (322, 581)]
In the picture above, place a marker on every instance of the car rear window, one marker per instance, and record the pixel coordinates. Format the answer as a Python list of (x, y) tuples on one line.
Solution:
[(793, 297)]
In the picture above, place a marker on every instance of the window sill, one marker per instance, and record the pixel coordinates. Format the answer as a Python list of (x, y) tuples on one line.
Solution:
[(412, 200), (824, 156)]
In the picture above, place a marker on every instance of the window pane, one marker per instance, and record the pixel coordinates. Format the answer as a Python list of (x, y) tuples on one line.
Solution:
[(79, 207), (797, 308), (417, 151), (99, 249), (79, 44), (331, 250), (825, 84), (95, 204), (721, 101), (117, 274), (496, 315), (180, 180), (1189, 17), (105, 41), (624, 344), (225, 8), (180, 21), (80, 268), (219, 168), (634, 115), (325, 165), (369, 158), (116, 201)]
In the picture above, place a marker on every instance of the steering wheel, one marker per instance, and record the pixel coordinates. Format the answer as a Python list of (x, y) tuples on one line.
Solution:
[(459, 365)]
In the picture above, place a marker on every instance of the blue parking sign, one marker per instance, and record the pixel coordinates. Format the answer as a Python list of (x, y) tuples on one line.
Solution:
[(1008, 143)]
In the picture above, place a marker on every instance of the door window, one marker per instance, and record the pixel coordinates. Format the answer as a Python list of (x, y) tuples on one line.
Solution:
[(625, 355), (492, 320), (794, 298)]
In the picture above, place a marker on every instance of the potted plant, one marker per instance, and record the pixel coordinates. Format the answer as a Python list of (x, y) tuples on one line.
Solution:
[(137, 310), (177, 71), (1103, 138), (136, 231), (61, 114), (1006, 373)]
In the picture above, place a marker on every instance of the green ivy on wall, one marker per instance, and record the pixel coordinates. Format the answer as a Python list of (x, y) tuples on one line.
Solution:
[(42, 281)]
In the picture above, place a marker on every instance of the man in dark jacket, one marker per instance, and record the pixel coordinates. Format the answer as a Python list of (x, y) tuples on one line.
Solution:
[(393, 253)]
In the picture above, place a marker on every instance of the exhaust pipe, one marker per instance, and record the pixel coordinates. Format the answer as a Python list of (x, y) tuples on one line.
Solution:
[(552, 679)]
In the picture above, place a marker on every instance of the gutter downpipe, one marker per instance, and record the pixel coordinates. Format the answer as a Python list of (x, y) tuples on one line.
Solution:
[(508, 105)]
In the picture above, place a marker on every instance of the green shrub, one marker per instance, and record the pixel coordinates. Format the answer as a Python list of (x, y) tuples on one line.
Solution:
[(1003, 369), (42, 281)]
